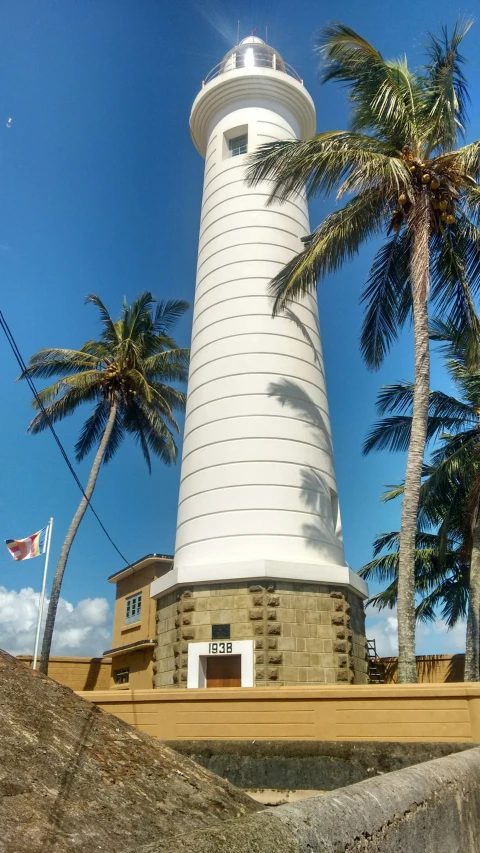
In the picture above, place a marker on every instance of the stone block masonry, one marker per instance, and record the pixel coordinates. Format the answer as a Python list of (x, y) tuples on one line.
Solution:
[(303, 633)]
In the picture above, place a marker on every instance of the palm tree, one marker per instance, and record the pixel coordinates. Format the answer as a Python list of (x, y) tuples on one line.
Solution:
[(442, 572), (450, 492), (125, 375), (404, 177)]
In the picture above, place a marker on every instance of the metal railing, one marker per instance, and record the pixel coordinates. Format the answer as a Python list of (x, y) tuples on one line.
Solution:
[(258, 59)]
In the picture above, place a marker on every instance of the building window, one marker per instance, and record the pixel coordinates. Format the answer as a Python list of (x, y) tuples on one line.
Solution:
[(238, 145), (133, 609), (121, 676)]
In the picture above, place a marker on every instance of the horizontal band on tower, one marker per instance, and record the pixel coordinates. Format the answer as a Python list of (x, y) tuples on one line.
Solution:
[(259, 570), (247, 83)]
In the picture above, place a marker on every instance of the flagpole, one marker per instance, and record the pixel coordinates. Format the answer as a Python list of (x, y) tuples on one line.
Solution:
[(42, 594)]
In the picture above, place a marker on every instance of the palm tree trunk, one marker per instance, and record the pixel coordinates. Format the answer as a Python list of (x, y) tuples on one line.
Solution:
[(420, 269), (472, 646), (72, 532)]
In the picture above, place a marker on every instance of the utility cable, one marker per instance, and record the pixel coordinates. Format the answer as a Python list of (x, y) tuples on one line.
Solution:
[(24, 369)]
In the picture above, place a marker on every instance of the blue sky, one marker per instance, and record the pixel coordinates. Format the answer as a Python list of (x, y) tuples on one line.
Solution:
[(101, 190)]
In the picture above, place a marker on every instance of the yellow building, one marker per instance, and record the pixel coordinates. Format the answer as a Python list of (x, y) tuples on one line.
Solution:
[(134, 626)]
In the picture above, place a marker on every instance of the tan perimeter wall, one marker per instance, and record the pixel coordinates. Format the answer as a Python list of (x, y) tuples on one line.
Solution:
[(405, 712), (431, 669), (78, 673)]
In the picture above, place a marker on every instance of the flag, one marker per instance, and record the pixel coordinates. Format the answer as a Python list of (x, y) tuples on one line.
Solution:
[(32, 546)]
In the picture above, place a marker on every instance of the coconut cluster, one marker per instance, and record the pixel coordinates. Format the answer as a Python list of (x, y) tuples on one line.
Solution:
[(115, 380), (441, 190)]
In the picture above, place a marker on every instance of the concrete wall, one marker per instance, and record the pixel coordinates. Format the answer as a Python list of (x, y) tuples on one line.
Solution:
[(77, 673), (402, 712), (308, 765), (431, 669), (430, 808)]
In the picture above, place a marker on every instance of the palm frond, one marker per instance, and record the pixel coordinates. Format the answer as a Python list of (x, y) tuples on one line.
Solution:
[(167, 314), (386, 540), (171, 365), (455, 275), (393, 492), (461, 445), (394, 433), (455, 603), (450, 472), (466, 159), (117, 436), (352, 160), (140, 384), (450, 490), (385, 96), (338, 238), (436, 580), (62, 408), (443, 330), (386, 598), (136, 317), (387, 299), (424, 541), (382, 568), (99, 349), (77, 383), (150, 430), (398, 399), (471, 204), (174, 397), (110, 330), (58, 362), (446, 88), (459, 346), (389, 434), (92, 430)]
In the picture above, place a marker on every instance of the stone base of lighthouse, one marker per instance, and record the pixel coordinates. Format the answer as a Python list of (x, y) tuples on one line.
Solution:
[(283, 633)]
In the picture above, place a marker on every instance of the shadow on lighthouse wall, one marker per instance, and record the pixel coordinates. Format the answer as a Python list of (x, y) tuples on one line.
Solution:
[(290, 315), (316, 494)]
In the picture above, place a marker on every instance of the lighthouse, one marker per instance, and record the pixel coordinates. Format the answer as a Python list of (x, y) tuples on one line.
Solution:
[(260, 592)]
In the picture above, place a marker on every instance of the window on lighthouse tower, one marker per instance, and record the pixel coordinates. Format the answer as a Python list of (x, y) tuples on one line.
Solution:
[(238, 145)]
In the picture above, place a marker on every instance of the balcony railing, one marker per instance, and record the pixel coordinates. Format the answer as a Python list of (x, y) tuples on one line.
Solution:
[(252, 58)]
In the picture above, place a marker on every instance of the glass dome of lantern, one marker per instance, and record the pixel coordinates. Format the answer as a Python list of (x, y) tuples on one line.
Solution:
[(252, 52)]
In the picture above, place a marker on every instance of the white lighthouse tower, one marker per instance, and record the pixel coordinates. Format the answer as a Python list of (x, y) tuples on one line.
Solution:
[(258, 518)]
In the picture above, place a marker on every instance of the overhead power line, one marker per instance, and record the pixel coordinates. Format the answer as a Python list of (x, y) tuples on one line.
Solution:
[(23, 367)]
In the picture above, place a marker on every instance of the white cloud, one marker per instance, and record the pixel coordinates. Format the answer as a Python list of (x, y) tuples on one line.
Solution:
[(382, 626), (82, 630), (437, 638), (434, 638)]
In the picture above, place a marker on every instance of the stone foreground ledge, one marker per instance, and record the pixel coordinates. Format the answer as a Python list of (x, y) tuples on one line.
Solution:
[(429, 808)]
